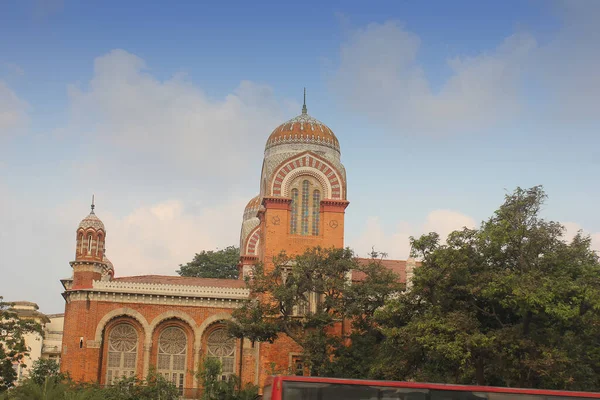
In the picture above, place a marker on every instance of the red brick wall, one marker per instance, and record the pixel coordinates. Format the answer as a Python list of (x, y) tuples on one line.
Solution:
[(82, 319)]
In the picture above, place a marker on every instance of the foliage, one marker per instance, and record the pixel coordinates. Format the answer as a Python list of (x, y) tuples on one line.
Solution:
[(508, 304), (154, 387), (322, 275), (43, 369), (216, 389), (13, 348), (221, 264)]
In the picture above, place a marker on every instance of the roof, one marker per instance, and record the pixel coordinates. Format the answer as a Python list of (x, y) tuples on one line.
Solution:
[(91, 221), (24, 303), (252, 207), (397, 266), (108, 263), (30, 314), (182, 280), (436, 386), (303, 129)]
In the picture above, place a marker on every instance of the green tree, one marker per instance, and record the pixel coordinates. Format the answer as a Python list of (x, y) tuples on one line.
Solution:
[(509, 304), (13, 348), (43, 369), (221, 264), (319, 277), (214, 388)]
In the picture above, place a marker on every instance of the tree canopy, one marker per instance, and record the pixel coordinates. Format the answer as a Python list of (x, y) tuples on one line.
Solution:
[(221, 264), (303, 296), (508, 304), (13, 348)]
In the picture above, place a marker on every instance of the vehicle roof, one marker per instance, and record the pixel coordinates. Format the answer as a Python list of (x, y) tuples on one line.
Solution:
[(438, 386)]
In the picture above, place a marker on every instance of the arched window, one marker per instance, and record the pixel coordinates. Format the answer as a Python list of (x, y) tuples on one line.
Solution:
[(172, 351), (316, 212), (222, 347), (81, 243), (89, 250), (122, 353), (294, 216), (306, 206), (305, 195), (98, 241)]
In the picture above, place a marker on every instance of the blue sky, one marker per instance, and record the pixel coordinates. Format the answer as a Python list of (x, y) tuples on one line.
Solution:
[(162, 110)]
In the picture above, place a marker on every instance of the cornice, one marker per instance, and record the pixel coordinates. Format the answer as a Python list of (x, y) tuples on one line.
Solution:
[(171, 290), (248, 259), (280, 203), (152, 299), (87, 262), (334, 205)]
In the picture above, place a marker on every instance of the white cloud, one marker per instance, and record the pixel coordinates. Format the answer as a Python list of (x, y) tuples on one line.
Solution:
[(571, 229), (396, 244), (172, 169), (13, 111), (171, 123), (566, 68), (379, 74), (556, 81), (155, 239)]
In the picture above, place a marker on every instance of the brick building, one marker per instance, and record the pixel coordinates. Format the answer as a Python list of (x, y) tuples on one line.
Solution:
[(117, 326)]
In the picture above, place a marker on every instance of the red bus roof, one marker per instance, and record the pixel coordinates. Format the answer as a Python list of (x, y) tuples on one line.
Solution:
[(434, 386)]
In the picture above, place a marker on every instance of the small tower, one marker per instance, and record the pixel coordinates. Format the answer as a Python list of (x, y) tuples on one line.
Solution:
[(90, 262)]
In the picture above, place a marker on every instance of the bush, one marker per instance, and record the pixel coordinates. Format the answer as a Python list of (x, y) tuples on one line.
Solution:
[(218, 389)]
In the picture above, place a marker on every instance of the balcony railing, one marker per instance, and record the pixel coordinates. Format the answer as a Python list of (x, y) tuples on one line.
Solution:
[(51, 349)]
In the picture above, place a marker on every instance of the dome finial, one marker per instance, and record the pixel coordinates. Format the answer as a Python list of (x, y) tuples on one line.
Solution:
[(304, 111), (93, 206)]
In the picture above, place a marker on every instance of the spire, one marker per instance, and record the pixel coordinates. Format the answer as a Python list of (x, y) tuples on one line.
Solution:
[(93, 206), (304, 111)]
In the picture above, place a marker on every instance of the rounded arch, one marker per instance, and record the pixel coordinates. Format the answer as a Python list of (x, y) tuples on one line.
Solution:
[(123, 348), (180, 315), (213, 319), (251, 245), (307, 164), (299, 172), (124, 311)]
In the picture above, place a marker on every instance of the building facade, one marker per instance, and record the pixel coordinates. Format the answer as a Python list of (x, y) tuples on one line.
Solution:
[(124, 326), (47, 346)]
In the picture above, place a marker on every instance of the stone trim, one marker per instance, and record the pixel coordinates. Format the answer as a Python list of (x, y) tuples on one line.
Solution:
[(180, 315), (308, 162), (212, 320), (173, 300), (120, 312), (281, 203), (173, 290), (251, 245), (334, 205)]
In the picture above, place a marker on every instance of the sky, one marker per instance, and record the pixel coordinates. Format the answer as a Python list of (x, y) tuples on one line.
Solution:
[(162, 110)]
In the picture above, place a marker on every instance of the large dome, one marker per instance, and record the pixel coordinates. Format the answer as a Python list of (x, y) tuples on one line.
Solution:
[(303, 129)]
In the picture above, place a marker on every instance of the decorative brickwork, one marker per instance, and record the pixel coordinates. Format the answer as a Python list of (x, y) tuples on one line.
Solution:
[(253, 239), (118, 326), (311, 165)]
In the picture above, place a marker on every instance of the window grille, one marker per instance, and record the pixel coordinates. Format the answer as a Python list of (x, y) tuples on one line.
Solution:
[(172, 351), (122, 353), (222, 347), (316, 212), (294, 216), (305, 212), (305, 192)]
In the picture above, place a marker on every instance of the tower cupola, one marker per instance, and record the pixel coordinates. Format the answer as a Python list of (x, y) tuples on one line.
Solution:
[(91, 236)]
